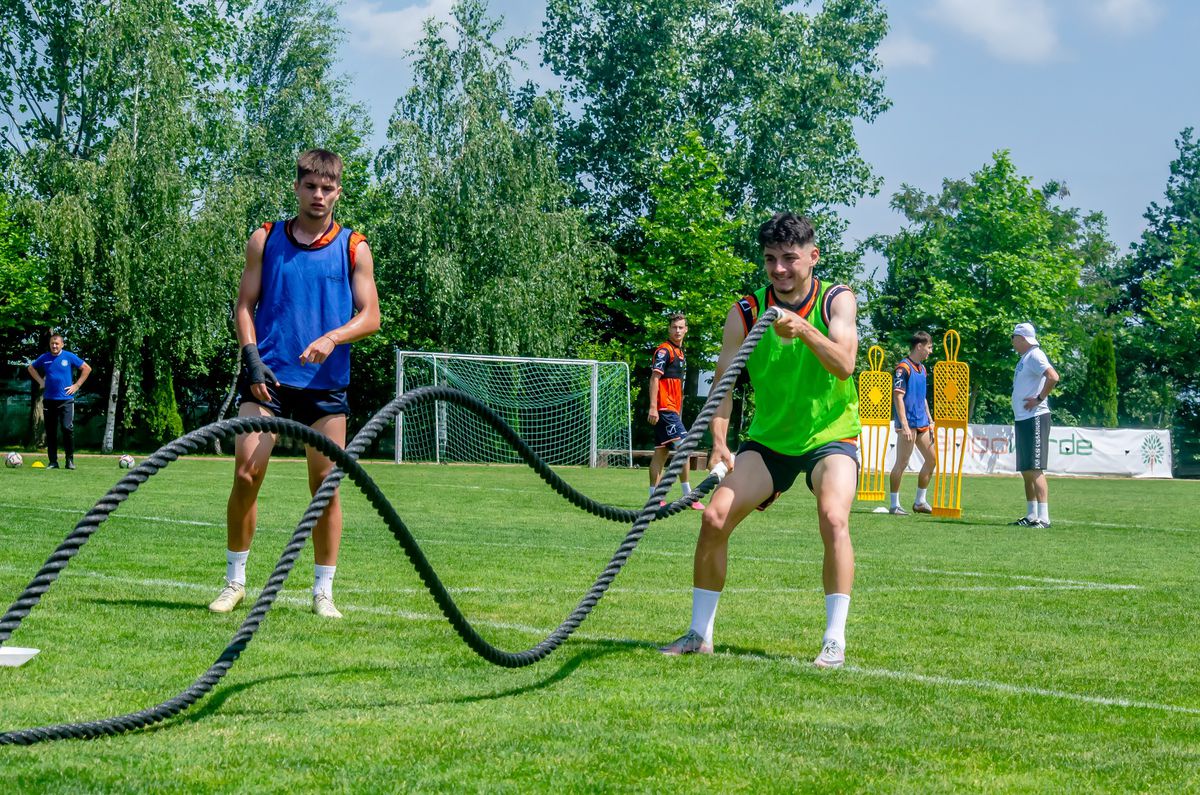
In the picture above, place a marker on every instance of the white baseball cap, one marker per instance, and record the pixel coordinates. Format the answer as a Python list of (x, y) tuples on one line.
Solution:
[(1025, 330)]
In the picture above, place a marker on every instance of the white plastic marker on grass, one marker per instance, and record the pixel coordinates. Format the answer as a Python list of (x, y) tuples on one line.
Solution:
[(880, 509), (14, 657)]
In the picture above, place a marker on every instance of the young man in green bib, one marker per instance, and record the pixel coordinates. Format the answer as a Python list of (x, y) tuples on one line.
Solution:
[(805, 421)]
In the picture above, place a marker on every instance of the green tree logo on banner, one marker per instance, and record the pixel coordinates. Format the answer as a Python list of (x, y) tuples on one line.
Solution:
[(1153, 451)]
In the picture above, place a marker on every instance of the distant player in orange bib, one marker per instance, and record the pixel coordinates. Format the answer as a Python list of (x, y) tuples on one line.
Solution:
[(914, 423), (667, 372)]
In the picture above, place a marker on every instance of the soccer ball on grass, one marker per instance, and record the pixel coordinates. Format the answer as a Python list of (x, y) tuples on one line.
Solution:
[(126, 461), (13, 460)]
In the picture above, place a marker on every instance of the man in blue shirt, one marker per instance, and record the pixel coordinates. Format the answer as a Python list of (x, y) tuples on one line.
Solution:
[(55, 374)]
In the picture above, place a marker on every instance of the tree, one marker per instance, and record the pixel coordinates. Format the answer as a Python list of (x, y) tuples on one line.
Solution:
[(1100, 385), (689, 262), (115, 172), (772, 92), (24, 298), (979, 258), (479, 248)]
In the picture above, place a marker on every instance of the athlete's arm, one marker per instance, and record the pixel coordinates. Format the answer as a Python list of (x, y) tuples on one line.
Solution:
[(731, 341), (249, 291), (36, 376), (366, 317), (1052, 379), (902, 416), (84, 372), (839, 350), (655, 377)]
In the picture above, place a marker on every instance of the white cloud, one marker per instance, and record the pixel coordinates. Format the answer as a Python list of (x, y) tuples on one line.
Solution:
[(1124, 16), (381, 29), (1012, 30), (903, 49)]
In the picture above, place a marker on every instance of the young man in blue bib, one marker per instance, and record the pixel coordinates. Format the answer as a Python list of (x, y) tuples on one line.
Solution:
[(55, 374), (307, 292), (914, 423)]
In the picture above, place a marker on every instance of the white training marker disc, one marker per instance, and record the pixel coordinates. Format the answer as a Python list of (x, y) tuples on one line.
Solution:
[(880, 509), (12, 657)]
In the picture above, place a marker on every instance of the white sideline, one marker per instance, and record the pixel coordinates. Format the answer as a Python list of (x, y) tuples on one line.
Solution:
[(906, 676), (1081, 584)]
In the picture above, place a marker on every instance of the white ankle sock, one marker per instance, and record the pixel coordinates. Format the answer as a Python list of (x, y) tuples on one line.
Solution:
[(837, 607), (704, 612), (1043, 512), (893, 499), (687, 488), (323, 580), (921, 496), (235, 566), (1031, 510)]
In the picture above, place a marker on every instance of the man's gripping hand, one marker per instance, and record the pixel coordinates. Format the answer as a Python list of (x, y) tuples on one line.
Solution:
[(259, 374)]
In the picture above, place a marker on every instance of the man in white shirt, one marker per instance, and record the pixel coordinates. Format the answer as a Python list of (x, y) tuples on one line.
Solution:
[(1033, 381)]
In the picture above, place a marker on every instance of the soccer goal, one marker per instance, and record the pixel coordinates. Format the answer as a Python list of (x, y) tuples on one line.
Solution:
[(570, 411)]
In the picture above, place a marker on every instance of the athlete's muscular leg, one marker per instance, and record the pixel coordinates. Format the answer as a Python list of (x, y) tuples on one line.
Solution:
[(835, 479), (327, 535), (743, 490), (252, 453), (925, 445), (904, 450), (1031, 478), (656, 464)]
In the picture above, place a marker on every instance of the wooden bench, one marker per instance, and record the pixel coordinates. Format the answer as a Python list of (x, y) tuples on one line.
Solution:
[(696, 461)]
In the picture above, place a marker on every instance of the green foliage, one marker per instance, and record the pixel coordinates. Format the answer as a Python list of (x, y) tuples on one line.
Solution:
[(479, 248), (980, 258), (24, 298), (1100, 386), (158, 418), (689, 264)]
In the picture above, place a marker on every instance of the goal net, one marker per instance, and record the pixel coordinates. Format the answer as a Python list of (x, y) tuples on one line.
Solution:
[(570, 411)]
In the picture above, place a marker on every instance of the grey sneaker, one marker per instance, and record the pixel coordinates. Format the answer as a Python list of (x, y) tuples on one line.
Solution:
[(323, 606), (690, 643), (231, 595), (922, 507), (832, 655), (897, 511)]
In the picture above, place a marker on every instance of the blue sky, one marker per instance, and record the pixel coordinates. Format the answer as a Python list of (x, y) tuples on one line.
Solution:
[(1089, 92)]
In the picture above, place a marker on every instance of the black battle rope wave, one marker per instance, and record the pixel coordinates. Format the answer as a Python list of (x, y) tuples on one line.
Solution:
[(346, 462)]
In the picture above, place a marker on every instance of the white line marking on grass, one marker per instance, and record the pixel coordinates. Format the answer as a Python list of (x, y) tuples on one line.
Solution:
[(1025, 577), (82, 512), (1110, 525), (904, 676)]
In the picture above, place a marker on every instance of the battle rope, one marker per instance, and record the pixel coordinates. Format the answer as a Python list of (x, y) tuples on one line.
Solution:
[(346, 462)]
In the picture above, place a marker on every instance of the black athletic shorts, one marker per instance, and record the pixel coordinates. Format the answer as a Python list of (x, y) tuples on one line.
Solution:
[(1033, 442), (305, 406), (669, 429), (784, 469)]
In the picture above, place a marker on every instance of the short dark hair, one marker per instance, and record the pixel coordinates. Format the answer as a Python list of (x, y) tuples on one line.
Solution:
[(56, 335), (671, 318), (321, 162), (785, 228), (919, 338)]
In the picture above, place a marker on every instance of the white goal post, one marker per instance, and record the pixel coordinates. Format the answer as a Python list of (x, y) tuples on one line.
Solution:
[(569, 411)]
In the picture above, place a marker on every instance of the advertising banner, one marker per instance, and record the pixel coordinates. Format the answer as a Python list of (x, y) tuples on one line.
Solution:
[(1073, 451)]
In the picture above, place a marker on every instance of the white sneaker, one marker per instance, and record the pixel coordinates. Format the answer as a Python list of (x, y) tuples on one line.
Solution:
[(323, 606), (832, 655), (230, 597), (690, 643)]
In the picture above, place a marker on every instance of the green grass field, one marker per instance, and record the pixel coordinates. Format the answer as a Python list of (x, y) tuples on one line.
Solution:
[(981, 656)]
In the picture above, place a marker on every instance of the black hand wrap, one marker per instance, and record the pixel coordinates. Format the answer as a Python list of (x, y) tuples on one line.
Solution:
[(258, 372)]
